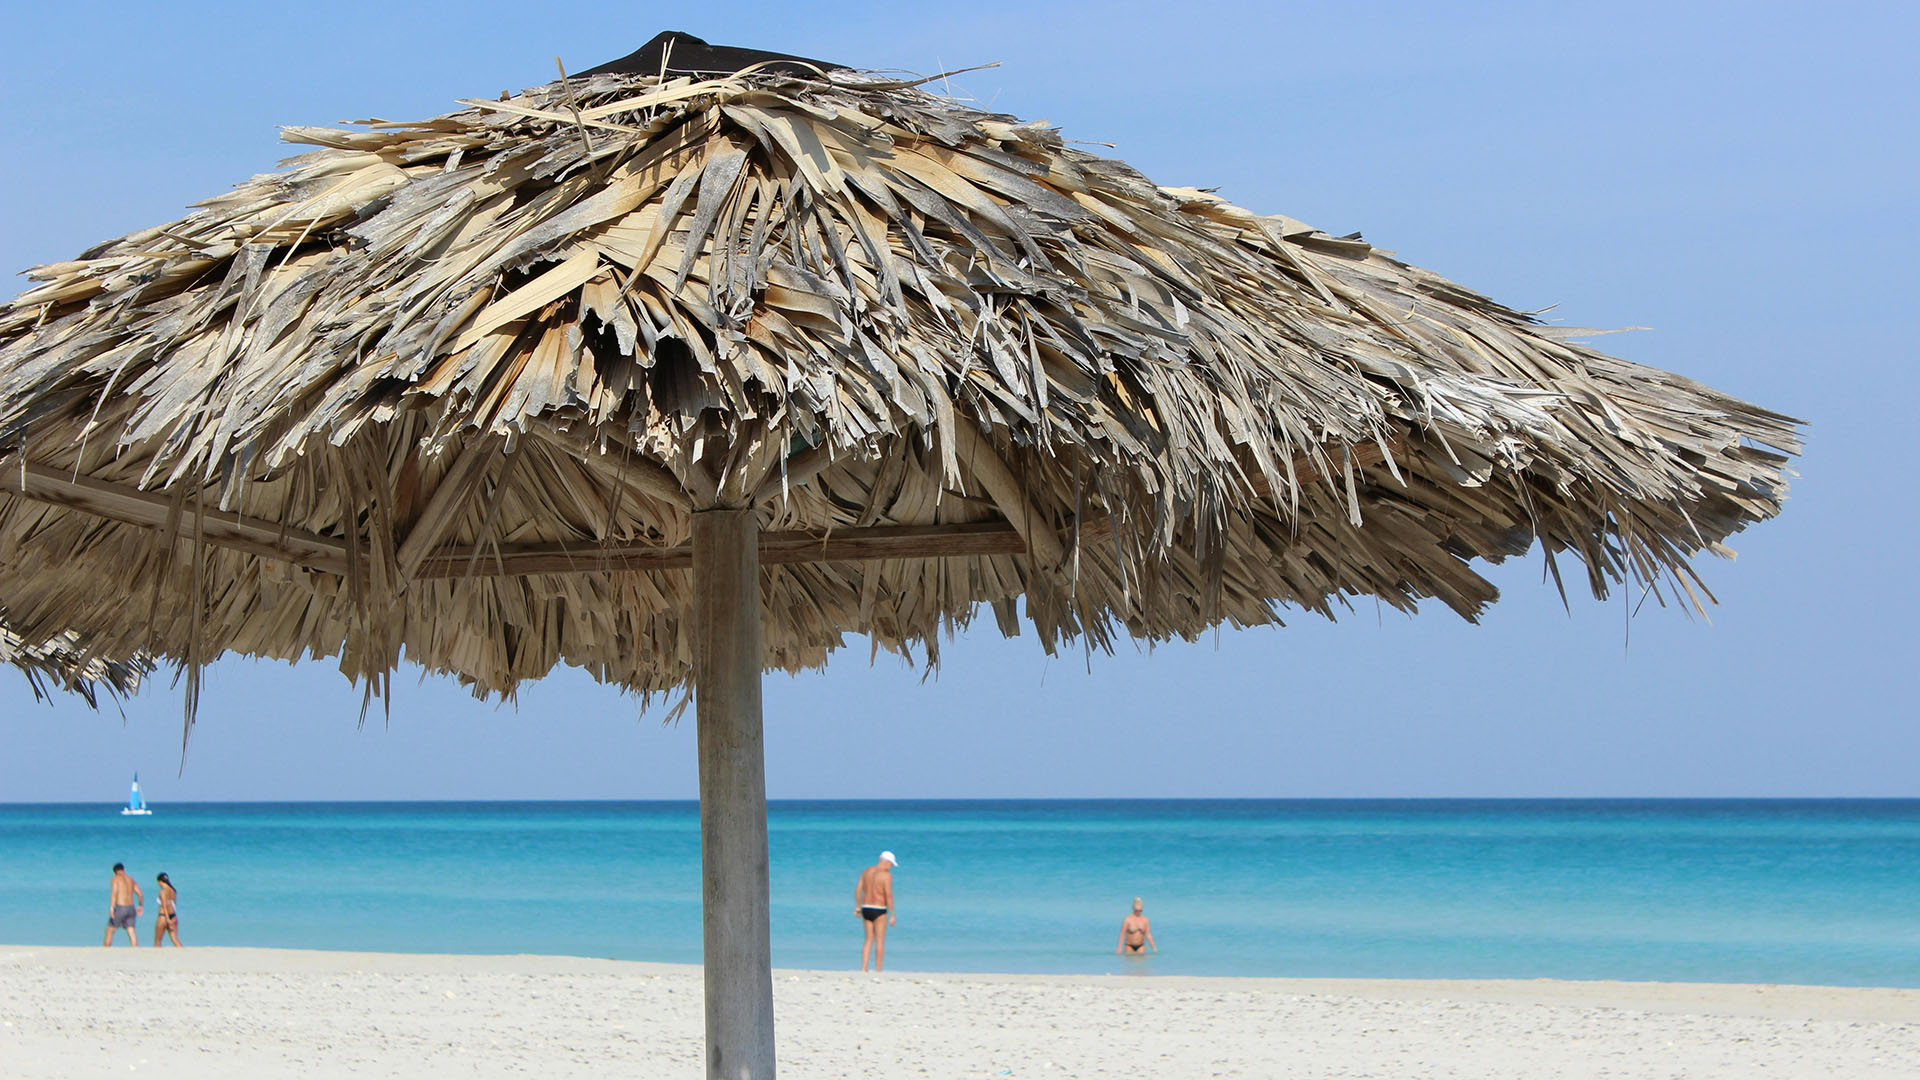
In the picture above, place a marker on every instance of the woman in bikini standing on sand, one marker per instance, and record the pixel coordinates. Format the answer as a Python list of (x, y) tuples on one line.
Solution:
[(167, 923)]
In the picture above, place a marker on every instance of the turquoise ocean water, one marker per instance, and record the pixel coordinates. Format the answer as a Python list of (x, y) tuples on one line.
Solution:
[(1698, 890)]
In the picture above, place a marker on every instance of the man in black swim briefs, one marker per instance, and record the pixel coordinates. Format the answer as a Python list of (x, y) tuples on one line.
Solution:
[(873, 902)]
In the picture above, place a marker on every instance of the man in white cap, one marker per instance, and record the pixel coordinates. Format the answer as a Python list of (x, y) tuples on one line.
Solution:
[(873, 902)]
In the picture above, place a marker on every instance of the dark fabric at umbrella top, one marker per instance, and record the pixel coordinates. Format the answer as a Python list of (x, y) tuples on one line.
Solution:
[(679, 53)]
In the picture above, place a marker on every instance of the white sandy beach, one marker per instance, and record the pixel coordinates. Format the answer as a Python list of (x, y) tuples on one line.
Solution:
[(221, 1012)]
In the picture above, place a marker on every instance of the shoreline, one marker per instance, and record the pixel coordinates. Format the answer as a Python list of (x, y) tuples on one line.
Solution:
[(74, 1011), (1901, 1003), (1494, 988)]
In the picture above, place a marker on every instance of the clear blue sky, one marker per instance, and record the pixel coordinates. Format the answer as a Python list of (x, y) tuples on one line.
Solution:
[(1739, 177)]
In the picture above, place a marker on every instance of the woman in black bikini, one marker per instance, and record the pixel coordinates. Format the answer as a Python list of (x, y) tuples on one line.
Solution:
[(1136, 933), (167, 923)]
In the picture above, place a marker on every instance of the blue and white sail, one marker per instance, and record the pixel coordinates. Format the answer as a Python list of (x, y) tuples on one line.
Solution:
[(135, 804)]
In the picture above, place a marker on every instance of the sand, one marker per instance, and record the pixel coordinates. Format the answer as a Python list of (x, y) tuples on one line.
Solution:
[(221, 1012)]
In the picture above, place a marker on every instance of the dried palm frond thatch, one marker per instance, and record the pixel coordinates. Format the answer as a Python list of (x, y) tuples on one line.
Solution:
[(454, 387), (58, 665)]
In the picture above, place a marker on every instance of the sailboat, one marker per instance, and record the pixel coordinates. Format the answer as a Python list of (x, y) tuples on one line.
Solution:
[(135, 804)]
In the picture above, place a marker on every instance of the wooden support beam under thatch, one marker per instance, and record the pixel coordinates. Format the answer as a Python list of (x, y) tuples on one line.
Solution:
[(131, 506), (847, 545)]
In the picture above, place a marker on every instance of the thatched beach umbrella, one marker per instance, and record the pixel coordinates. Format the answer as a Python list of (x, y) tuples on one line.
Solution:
[(481, 391)]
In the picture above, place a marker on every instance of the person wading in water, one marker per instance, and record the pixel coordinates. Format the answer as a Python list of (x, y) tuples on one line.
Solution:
[(1136, 933), (873, 902)]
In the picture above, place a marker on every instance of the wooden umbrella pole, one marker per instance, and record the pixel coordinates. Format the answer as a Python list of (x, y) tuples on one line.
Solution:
[(733, 796)]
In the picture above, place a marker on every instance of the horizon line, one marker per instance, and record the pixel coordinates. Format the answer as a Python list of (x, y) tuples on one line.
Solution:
[(694, 800)]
